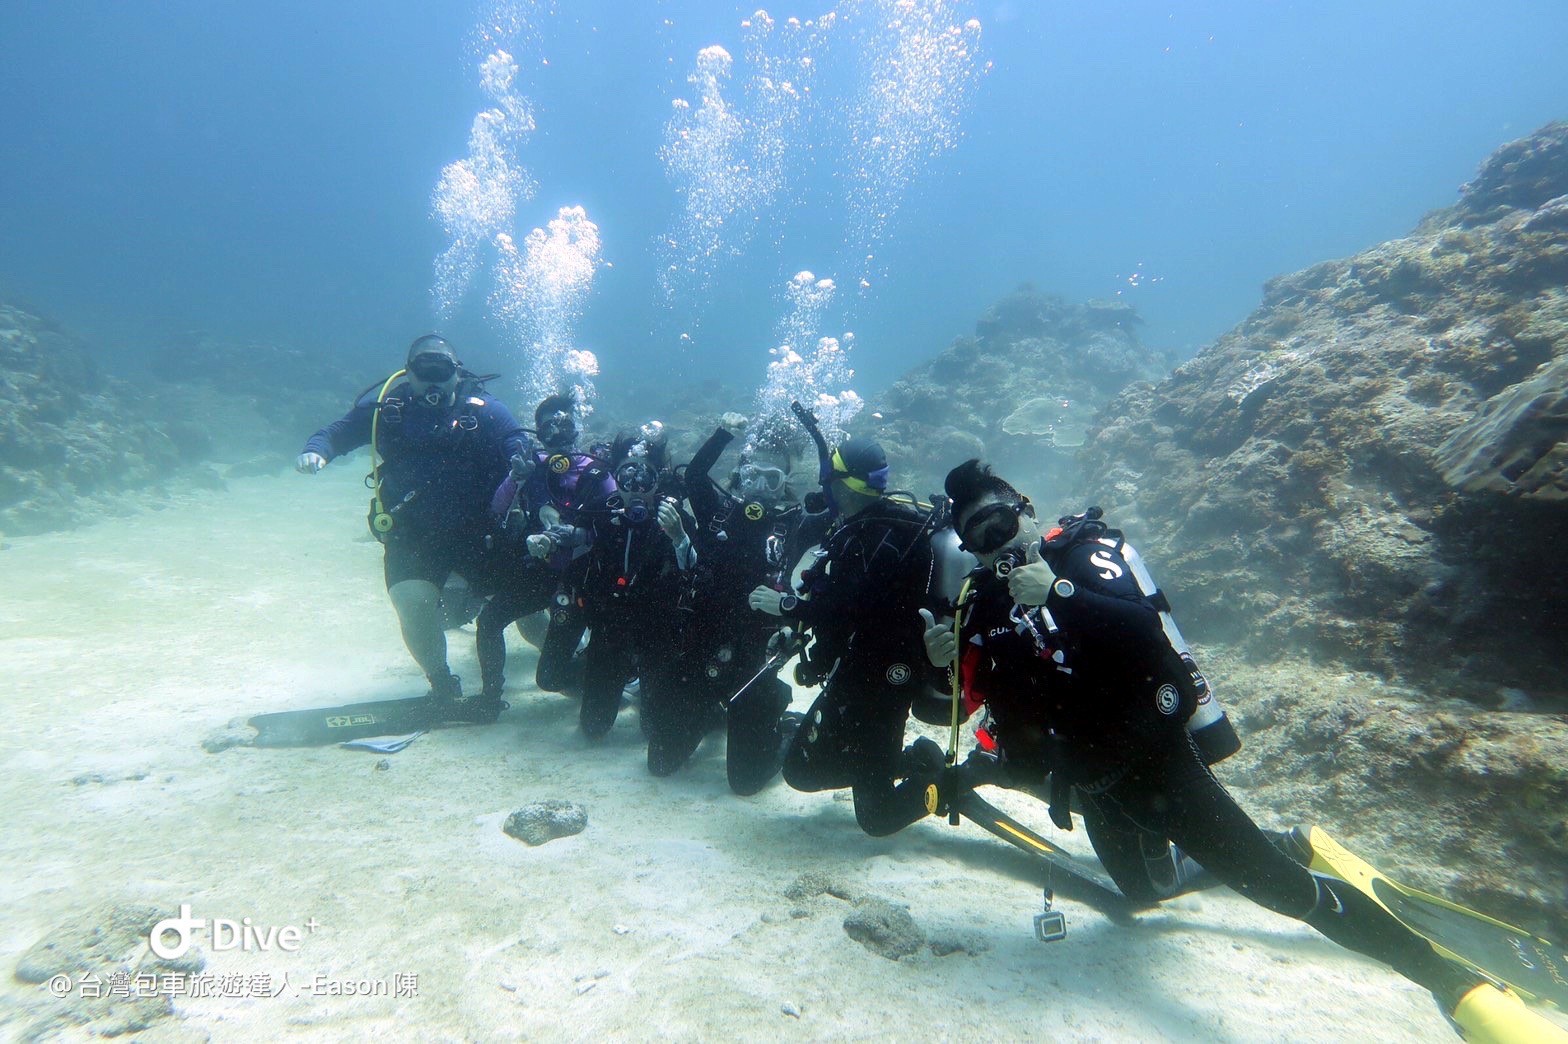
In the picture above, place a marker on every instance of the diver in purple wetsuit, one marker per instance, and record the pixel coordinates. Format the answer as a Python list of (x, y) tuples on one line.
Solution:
[(541, 500)]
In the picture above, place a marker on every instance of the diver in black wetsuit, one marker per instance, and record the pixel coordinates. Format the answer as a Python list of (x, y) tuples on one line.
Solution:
[(629, 588), (540, 501), (1079, 686), (859, 600), (439, 448), (749, 537)]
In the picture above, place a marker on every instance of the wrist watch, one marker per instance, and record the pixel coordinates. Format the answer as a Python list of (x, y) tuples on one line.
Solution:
[(788, 603)]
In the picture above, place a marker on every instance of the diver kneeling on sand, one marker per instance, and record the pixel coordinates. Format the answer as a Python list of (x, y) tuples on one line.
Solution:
[(1080, 684), (858, 601), (440, 446)]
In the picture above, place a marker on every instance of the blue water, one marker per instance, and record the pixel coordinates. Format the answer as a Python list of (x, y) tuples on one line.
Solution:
[(266, 170)]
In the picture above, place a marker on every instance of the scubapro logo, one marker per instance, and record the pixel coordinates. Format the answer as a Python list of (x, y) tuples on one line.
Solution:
[(1167, 699), (1107, 566), (898, 674)]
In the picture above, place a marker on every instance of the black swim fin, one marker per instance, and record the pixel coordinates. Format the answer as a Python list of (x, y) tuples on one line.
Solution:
[(987, 816), (323, 725), (1535, 968)]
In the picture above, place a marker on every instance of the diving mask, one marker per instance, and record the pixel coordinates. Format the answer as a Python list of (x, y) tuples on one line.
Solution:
[(989, 529), (754, 481)]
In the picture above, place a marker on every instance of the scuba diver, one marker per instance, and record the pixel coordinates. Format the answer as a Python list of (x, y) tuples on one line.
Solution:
[(439, 448), (1082, 684), (875, 569), (749, 535), (627, 589), (538, 504)]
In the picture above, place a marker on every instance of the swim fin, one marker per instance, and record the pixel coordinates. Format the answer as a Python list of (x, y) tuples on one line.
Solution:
[(1535, 968), (987, 816), (1488, 1015), (323, 725)]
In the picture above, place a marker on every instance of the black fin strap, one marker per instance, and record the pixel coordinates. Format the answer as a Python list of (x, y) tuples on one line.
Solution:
[(1061, 801)]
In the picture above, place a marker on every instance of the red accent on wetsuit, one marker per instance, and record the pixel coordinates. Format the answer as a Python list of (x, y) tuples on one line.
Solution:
[(969, 660)]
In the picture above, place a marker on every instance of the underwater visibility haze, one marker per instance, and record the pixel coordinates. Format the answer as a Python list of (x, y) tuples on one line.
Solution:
[(493, 542)]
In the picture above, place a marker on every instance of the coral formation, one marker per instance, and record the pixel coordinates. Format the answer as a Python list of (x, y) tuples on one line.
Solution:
[(1020, 393), (1369, 467)]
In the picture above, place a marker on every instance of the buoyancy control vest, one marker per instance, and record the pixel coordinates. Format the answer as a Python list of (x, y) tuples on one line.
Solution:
[(1209, 725)]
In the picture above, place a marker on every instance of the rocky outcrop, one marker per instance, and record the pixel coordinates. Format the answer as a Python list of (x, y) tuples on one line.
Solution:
[(73, 439), (69, 435), (1371, 467), (1020, 393), (1466, 803), (1356, 499)]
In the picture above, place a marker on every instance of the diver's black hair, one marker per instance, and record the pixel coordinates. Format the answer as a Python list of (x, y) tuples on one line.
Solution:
[(564, 403), (658, 449), (972, 481)]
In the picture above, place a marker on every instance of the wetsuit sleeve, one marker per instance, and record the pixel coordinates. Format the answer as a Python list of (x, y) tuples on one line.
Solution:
[(703, 460), (699, 485), (513, 440), (347, 433), (1113, 617)]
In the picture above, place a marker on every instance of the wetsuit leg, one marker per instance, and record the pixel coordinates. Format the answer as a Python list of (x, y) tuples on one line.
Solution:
[(753, 752), (677, 709), (608, 663), (559, 668), (415, 567), (854, 736), (1175, 794), (817, 758), (883, 804), (490, 637), (1138, 860), (527, 593)]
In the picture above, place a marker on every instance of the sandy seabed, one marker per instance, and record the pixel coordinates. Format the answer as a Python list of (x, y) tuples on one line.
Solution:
[(124, 644)]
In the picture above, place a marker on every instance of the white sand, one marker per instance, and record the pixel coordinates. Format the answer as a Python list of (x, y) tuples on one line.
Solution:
[(123, 644)]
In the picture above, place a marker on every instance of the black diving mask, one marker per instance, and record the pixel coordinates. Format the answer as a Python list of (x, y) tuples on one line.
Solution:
[(989, 529), (432, 369)]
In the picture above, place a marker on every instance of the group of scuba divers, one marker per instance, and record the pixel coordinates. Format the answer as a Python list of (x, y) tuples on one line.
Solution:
[(697, 591)]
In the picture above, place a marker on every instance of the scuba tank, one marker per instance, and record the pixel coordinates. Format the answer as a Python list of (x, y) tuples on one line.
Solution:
[(952, 565), (1209, 726)]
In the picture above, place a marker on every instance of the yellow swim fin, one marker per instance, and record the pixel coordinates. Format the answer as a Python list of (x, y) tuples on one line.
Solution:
[(1488, 1015)]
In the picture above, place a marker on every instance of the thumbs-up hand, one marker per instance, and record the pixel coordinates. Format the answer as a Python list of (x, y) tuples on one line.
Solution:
[(1030, 583), (941, 642)]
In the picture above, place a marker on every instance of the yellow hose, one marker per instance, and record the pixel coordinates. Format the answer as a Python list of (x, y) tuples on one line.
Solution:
[(375, 454)]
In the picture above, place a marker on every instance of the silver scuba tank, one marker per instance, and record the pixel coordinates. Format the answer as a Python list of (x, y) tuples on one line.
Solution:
[(952, 564), (1209, 725)]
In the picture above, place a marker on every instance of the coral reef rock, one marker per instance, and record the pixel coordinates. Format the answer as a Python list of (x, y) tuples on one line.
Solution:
[(884, 928), (545, 821), (1354, 499), (69, 434), (1020, 393), (1373, 467), (110, 977)]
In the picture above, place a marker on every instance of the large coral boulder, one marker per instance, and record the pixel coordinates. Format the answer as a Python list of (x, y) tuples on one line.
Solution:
[(1372, 466), (1357, 501), (1020, 393)]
